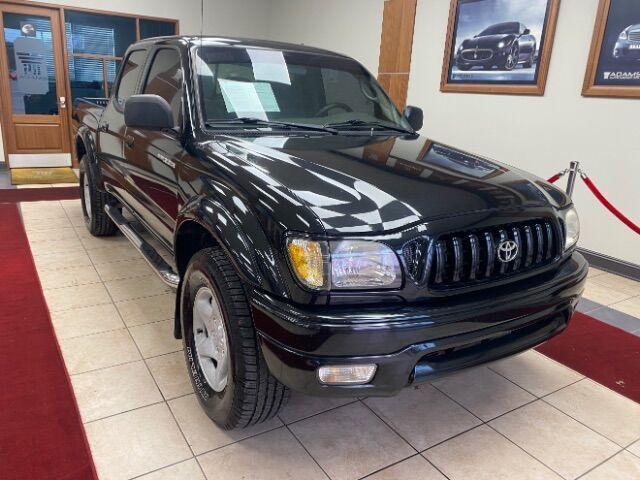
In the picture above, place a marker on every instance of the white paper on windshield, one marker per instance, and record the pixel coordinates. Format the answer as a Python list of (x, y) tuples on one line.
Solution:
[(269, 66), (272, 142), (248, 99)]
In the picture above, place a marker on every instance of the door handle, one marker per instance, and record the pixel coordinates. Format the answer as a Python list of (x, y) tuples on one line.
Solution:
[(129, 141)]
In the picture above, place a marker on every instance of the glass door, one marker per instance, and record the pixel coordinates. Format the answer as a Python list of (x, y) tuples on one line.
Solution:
[(34, 103)]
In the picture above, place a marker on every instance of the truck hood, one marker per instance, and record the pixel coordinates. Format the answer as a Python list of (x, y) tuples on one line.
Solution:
[(342, 184)]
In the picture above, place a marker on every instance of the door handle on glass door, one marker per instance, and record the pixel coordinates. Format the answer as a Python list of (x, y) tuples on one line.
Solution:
[(63, 102)]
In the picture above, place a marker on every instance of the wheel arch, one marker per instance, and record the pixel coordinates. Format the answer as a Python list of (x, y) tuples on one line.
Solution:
[(86, 147), (205, 222)]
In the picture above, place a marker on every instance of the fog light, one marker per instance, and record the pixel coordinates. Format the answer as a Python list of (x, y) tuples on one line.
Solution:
[(346, 374)]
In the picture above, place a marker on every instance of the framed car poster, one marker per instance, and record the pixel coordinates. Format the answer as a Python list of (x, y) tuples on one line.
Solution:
[(614, 62), (499, 46)]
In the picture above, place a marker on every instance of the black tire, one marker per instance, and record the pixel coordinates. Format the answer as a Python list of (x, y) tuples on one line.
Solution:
[(97, 221), (251, 394)]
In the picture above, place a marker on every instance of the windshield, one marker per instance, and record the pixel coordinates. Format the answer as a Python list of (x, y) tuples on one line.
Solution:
[(502, 29), (304, 88)]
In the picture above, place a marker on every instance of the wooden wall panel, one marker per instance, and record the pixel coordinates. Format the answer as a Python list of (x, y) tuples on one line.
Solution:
[(397, 86), (396, 47)]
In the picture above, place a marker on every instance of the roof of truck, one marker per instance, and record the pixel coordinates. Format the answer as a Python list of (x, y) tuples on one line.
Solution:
[(240, 42)]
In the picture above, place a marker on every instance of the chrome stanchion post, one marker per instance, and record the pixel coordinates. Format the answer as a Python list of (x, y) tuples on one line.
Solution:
[(574, 168)]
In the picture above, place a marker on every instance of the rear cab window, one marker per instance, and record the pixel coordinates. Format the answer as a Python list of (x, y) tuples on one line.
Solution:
[(129, 76), (165, 80)]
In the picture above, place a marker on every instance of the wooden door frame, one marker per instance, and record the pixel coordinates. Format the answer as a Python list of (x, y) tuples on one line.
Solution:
[(65, 57), (62, 84)]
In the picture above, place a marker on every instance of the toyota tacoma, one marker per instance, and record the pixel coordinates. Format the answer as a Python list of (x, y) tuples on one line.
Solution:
[(316, 241)]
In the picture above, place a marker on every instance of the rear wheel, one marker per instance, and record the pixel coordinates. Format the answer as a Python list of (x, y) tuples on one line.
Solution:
[(228, 372), (93, 202)]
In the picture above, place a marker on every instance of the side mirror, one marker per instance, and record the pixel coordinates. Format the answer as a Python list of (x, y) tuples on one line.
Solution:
[(149, 112), (414, 116), (526, 31)]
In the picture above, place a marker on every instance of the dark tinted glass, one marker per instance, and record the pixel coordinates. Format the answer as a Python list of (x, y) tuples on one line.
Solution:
[(156, 28), (98, 33), (165, 80), (130, 74), (502, 29), (86, 78), (113, 66), (289, 86)]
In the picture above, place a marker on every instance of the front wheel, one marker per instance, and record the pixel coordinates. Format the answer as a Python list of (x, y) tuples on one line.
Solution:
[(228, 372)]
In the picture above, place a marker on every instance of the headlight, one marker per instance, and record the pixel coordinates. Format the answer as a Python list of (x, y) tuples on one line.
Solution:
[(624, 35), (502, 45), (362, 264), (571, 227), (344, 264)]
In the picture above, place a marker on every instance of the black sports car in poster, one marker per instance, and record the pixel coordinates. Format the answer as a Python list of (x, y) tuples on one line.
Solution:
[(619, 62), (504, 45), (498, 41)]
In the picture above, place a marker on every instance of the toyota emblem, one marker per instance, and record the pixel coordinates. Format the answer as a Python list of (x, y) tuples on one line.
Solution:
[(507, 251)]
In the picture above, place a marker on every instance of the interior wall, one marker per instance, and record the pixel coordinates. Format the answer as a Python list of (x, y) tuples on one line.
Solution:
[(542, 134), (351, 27)]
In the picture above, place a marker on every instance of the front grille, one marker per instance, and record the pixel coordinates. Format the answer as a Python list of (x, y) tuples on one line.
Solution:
[(466, 258), (634, 35), (473, 55)]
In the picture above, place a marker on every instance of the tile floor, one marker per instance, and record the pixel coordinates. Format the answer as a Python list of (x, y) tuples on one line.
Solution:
[(526, 417)]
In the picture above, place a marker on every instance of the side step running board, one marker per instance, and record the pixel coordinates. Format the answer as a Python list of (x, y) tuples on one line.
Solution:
[(159, 265)]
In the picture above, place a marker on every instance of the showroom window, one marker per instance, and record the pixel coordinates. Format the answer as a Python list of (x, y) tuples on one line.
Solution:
[(96, 43), (165, 80)]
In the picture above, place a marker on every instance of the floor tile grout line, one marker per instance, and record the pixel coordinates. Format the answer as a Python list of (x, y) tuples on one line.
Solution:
[(391, 427), (317, 413), (308, 452), (162, 468), (526, 452), (599, 464), (587, 426), (94, 370), (269, 430), (582, 377), (637, 455)]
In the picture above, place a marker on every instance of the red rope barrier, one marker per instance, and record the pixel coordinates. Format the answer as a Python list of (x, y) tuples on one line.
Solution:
[(608, 205), (556, 177)]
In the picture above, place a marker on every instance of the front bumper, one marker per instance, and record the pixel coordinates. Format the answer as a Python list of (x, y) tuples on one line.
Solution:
[(414, 343)]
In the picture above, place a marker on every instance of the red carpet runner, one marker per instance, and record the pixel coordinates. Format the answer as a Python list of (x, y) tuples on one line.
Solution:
[(41, 434), (37, 194), (606, 354)]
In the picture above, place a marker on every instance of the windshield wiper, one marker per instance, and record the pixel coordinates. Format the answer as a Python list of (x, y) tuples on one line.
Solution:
[(271, 123), (362, 123)]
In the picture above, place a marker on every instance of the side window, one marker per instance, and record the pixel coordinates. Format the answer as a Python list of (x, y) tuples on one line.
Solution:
[(130, 72), (165, 80)]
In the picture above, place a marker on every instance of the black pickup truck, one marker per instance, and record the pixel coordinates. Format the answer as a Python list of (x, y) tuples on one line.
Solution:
[(316, 241)]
